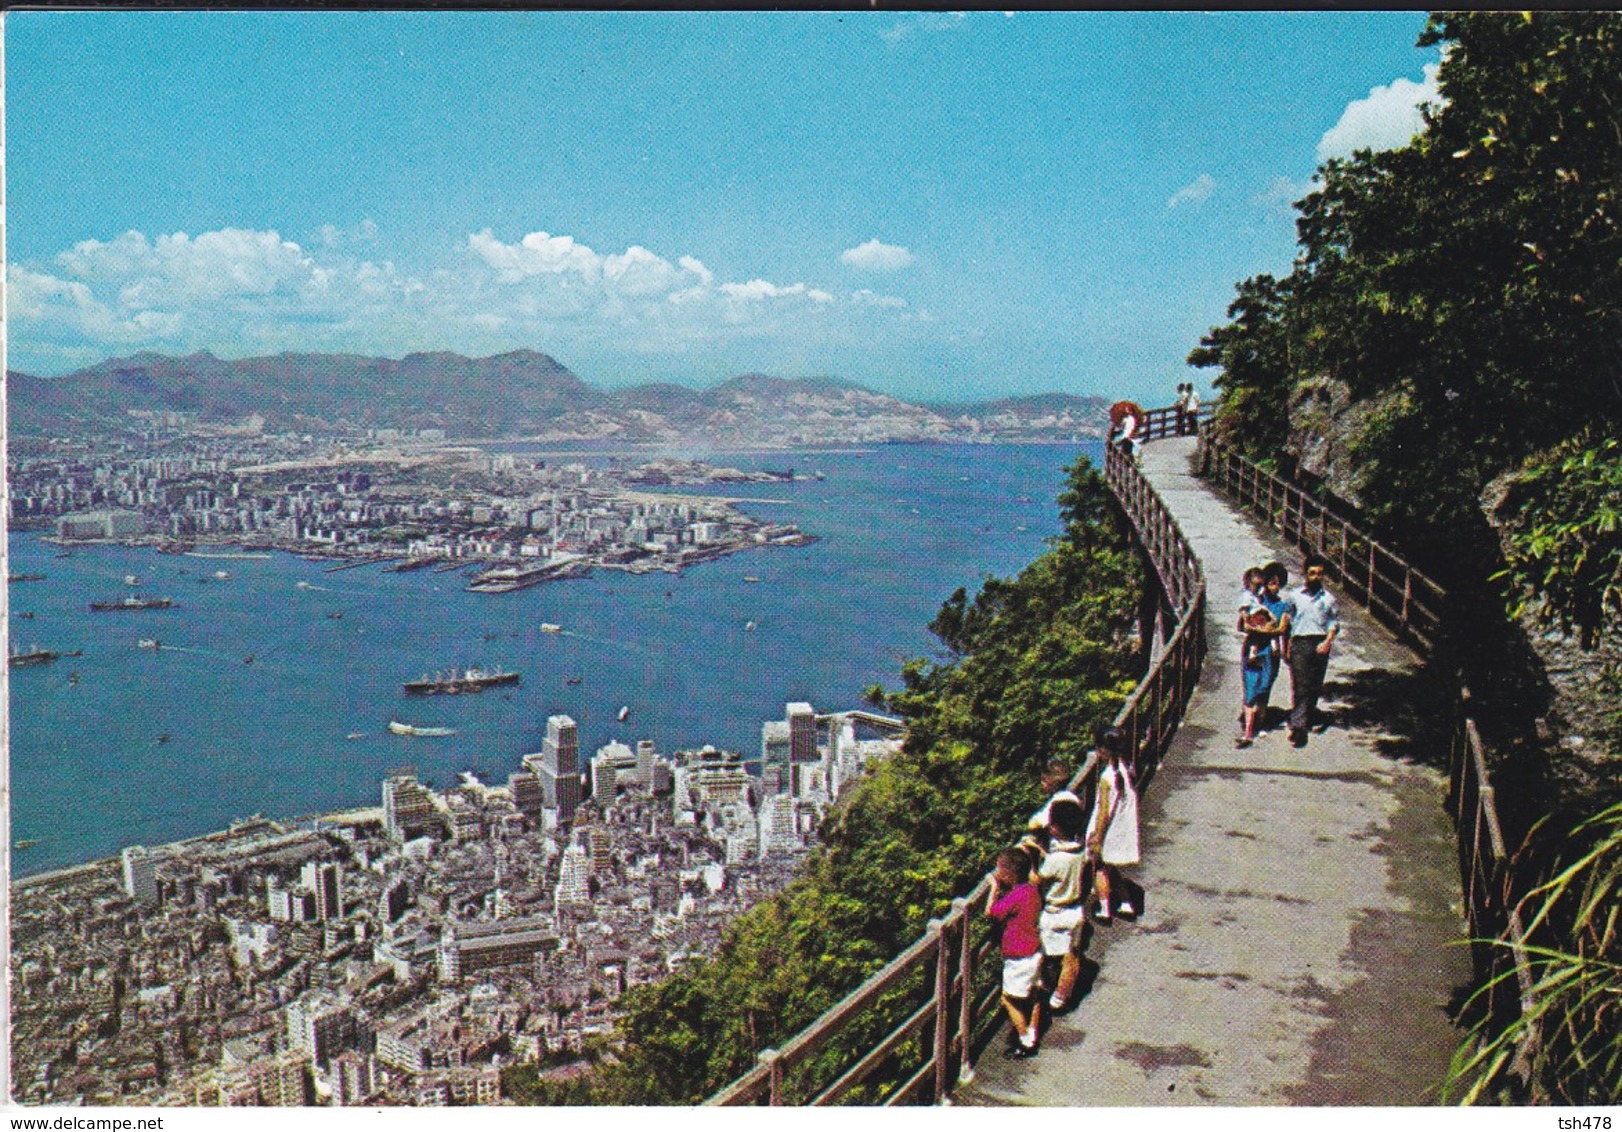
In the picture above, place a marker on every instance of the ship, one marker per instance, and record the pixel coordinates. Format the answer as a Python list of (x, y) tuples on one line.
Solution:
[(35, 655), (222, 575), (548, 627), (149, 643), (466, 680), (26, 578), (131, 580), (398, 728), (625, 713), (133, 602), (24, 843)]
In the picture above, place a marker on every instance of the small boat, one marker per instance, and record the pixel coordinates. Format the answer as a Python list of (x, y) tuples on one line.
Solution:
[(548, 627), (305, 586), (36, 655), (163, 738), (356, 735), (748, 626), (223, 575), (73, 678), (572, 681), (398, 728), (64, 554), (335, 615), (24, 843), (26, 578), (149, 643), (29, 616), (750, 578), (132, 580), (625, 713), (248, 659)]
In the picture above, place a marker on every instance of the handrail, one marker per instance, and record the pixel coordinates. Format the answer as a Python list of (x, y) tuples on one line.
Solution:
[(940, 1029), (1374, 576)]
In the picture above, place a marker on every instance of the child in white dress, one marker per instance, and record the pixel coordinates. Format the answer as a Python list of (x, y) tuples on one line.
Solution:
[(1112, 834)]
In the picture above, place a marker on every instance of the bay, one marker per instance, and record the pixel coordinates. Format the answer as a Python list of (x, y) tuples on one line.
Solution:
[(900, 527)]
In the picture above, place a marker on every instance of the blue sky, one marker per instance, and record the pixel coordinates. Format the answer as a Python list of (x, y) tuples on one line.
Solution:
[(939, 206)]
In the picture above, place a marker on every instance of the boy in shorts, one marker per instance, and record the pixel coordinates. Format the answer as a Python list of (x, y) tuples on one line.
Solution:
[(1014, 902)]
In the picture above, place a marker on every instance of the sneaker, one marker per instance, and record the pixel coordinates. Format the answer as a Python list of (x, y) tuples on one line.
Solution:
[(1102, 915), (1056, 1001), (1126, 908), (1020, 1053), (1298, 737), (1241, 742)]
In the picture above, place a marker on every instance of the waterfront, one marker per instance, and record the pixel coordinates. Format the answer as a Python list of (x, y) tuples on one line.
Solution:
[(900, 527)]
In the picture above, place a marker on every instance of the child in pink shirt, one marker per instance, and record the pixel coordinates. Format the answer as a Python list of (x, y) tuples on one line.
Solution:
[(1016, 903)]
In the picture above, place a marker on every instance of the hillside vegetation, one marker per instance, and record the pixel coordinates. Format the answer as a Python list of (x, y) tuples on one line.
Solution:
[(1452, 329)]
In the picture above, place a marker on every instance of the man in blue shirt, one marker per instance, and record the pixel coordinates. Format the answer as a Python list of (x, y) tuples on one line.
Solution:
[(1314, 625)]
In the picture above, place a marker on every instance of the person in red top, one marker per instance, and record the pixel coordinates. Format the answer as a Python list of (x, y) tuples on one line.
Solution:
[(1016, 903)]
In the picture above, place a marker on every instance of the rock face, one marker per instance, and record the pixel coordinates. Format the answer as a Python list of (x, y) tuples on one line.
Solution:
[(1584, 720), (522, 393), (1325, 424)]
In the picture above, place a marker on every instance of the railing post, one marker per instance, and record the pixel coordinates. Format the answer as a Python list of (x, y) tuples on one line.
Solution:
[(774, 1075), (943, 1004), (1407, 594), (965, 973)]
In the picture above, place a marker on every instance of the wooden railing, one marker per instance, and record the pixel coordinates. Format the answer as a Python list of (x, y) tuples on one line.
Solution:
[(1412, 605), (1404, 599), (911, 1031)]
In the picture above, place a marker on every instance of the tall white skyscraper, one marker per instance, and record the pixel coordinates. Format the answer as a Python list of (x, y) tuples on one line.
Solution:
[(140, 875), (574, 877), (560, 767), (802, 733)]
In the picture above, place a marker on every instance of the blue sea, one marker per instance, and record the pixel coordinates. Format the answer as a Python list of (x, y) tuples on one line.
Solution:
[(900, 527)]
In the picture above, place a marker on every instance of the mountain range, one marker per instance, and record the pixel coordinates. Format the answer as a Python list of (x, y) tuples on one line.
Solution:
[(522, 393)]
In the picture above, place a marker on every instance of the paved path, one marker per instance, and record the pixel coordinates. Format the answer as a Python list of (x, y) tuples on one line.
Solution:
[(1301, 904)]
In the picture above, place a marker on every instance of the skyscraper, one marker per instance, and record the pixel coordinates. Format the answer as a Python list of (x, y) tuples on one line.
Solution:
[(408, 811), (776, 756), (560, 767), (802, 733), (140, 875), (326, 880)]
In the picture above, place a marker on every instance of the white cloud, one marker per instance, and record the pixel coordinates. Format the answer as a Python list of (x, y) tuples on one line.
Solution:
[(1387, 119), (866, 298), (1196, 192), (876, 256), (242, 291), (1282, 193), (927, 22)]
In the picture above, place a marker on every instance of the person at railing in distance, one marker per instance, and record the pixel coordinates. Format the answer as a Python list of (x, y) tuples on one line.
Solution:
[(1274, 578), (1062, 875), (1014, 902), (1191, 409), (1112, 834), (1314, 625), (1181, 405)]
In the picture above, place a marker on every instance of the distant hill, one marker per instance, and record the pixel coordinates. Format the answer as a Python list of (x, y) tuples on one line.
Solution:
[(522, 393)]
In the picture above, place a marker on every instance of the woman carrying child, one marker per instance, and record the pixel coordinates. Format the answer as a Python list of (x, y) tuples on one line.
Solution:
[(1015, 903), (1112, 834)]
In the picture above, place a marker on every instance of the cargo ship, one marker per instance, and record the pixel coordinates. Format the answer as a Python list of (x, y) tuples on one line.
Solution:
[(35, 655), (130, 603), (466, 680), (25, 578)]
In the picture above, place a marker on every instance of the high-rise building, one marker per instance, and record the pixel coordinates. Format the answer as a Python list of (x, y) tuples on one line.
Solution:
[(646, 754), (779, 821), (528, 797), (612, 766), (408, 810), (319, 1024), (802, 728), (326, 880), (776, 756), (560, 767), (574, 877), (140, 875), (391, 903)]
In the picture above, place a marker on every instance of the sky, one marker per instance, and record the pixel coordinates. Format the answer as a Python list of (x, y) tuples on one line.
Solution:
[(940, 206)]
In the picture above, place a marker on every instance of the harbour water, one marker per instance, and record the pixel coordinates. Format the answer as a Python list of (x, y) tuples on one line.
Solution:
[(263, 676)]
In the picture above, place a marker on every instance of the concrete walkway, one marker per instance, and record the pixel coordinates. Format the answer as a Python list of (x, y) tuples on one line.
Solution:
[(1297, 946)]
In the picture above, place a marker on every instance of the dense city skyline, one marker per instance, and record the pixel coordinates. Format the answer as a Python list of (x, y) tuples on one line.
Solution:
[(933, 205)]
